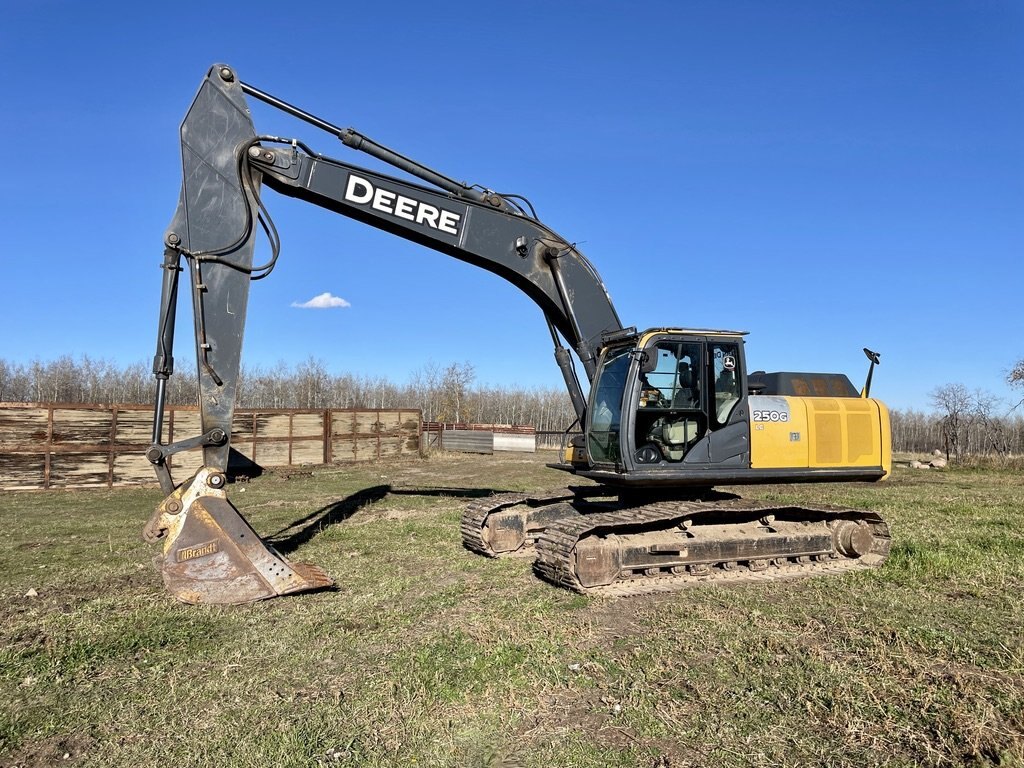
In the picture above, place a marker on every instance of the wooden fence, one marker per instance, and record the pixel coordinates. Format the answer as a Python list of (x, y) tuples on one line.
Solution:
[(81, 446)]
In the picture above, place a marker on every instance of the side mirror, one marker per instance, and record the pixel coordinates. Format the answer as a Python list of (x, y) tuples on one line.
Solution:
[(873, 357), (649, 360)]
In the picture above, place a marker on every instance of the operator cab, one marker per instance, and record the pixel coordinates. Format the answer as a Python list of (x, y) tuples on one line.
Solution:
[(665, 403)]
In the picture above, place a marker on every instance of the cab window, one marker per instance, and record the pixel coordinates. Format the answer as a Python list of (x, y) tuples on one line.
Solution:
[(725, 380), (675, 381), (671, 417)]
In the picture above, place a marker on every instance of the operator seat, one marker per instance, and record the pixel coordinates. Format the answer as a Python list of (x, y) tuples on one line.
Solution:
[(675, 432), (685, 394)]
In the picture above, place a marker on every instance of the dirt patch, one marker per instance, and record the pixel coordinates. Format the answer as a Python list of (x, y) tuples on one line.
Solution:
[(51, 751), (64, 597), (602, 718), (616, 618), (375, 514)]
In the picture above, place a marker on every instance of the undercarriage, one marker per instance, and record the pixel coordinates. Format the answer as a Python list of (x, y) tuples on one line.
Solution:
[(594, 542)]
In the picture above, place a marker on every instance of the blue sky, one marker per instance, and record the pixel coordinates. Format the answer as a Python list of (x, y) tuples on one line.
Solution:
[(825, 175)]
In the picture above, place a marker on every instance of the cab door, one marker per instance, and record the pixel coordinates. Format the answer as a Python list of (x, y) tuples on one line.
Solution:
[(689, 405), (728, 438), (671, 412)]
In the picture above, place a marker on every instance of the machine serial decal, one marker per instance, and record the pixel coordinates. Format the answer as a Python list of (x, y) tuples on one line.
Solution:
[(362, 192)]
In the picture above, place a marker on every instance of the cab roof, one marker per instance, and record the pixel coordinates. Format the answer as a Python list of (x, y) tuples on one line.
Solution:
[(631, 334)]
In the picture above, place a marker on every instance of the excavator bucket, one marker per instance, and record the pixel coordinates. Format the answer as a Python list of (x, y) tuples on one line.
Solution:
[(213, 556)]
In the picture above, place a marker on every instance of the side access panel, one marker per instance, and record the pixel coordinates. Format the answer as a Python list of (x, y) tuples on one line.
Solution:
[(818, 433)]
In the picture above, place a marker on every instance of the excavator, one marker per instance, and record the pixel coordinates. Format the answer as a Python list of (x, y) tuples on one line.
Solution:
[(667, 417)]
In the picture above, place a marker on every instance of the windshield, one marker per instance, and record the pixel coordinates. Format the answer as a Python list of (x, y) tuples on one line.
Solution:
[(606, 412)]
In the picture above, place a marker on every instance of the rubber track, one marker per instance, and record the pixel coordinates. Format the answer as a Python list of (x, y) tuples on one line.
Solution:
[(556, 546)]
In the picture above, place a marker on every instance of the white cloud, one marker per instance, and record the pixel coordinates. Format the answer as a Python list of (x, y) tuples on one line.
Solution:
[(323, 301)]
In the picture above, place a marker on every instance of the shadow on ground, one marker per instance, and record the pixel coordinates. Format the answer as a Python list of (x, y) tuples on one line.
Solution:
[(303, 530), (455, 493), (295, 534)]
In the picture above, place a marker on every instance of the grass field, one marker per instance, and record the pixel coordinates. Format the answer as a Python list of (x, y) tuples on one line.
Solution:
[(427, 655)]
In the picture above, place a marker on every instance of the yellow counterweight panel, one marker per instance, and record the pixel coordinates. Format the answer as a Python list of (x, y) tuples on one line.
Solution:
[(818, 432)]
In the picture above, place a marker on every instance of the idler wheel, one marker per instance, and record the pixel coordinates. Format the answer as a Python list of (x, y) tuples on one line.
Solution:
[(853, 539)]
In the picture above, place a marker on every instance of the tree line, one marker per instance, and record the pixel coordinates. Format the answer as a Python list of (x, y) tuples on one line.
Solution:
[(963, 423), (444, 393), (976, 423), (922, 433)]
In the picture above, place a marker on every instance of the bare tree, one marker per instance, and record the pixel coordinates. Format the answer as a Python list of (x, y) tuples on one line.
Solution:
[(953, 402), (455, 382), (312, 384), (1015, 378), (993, 427), (424, 390), (6, 382), (1016, 374)]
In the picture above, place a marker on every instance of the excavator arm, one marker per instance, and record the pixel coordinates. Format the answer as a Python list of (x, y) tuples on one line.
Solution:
[(211, 554)]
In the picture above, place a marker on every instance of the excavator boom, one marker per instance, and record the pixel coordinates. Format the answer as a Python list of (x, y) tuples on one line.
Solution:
[(211, 242)]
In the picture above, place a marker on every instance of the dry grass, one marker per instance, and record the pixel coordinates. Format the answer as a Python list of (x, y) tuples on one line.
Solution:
[(428, 655)]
